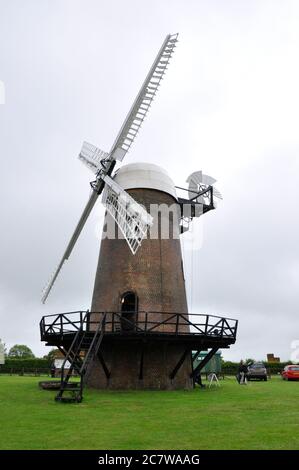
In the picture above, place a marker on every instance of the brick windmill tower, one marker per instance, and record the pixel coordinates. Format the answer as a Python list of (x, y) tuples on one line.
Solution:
[(138, 332)]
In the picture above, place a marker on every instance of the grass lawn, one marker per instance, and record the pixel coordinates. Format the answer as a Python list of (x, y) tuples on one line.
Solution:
[(262, 415)]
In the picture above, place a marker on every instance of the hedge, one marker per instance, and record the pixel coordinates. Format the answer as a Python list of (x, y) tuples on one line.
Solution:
[(228, 366), (19, 364), (35, 363)]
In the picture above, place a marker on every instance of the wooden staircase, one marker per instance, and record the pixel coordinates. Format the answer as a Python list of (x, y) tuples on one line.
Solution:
[(88, 343)]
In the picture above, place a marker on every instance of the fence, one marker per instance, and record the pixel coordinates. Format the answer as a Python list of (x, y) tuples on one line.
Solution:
[(33, 372)]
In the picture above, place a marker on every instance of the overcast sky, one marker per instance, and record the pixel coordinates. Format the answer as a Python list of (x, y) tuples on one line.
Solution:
[(228, 106)]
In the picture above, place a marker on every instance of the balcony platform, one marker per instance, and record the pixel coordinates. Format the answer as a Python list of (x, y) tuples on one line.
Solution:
[(195, 331)]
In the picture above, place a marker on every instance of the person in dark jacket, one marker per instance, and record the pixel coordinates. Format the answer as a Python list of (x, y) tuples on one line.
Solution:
[(53, 369), (242, 373)]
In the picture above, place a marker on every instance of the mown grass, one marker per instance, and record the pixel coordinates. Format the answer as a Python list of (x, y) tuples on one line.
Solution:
[(262, 415)]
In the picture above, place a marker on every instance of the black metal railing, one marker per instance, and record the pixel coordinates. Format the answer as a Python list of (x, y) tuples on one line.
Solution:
[(142, 323)]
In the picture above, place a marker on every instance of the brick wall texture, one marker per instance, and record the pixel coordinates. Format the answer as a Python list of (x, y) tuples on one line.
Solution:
[(155, 274)]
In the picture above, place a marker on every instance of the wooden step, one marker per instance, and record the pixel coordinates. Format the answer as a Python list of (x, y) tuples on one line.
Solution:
[(69, 399)]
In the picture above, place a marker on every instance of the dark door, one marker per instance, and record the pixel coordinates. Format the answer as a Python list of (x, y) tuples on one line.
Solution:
[(128, 311)]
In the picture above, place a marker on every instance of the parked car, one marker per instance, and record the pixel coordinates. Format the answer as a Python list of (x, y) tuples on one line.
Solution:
[(257, 370), (290, 372)]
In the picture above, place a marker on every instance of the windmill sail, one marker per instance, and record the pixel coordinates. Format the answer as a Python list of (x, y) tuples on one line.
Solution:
[(91, 202), (132, 219), (143, 101), (92, 156)]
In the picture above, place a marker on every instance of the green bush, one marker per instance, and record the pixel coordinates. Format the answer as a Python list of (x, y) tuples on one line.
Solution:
[(232, 367), (19, 364)]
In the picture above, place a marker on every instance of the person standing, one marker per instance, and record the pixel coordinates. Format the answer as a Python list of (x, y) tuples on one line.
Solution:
[(53, 369), (242, 373)]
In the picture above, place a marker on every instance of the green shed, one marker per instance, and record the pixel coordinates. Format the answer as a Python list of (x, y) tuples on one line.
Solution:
[(214, 364)]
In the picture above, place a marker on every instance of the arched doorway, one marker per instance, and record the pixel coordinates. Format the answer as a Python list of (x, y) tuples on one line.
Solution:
[(129, 308)]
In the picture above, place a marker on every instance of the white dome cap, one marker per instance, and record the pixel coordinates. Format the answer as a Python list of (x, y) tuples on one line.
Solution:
[(145, 175)]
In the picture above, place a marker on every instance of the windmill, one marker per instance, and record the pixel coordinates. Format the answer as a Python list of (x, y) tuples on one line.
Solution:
[(139, 333)]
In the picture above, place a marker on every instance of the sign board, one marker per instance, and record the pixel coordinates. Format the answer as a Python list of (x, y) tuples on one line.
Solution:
[(58, 364), (2, 358)]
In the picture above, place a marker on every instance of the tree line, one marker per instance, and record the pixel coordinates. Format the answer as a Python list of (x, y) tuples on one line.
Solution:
[(21, 351)]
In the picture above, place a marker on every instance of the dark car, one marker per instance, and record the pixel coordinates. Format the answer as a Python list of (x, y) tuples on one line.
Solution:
[(257, 371)]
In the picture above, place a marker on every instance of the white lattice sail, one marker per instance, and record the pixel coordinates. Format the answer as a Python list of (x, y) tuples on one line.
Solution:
[(91, 156), (132, 219), (143, 101), (90, 204)]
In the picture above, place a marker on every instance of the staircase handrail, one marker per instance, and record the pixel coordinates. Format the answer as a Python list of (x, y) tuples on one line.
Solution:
[(100, 327)]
